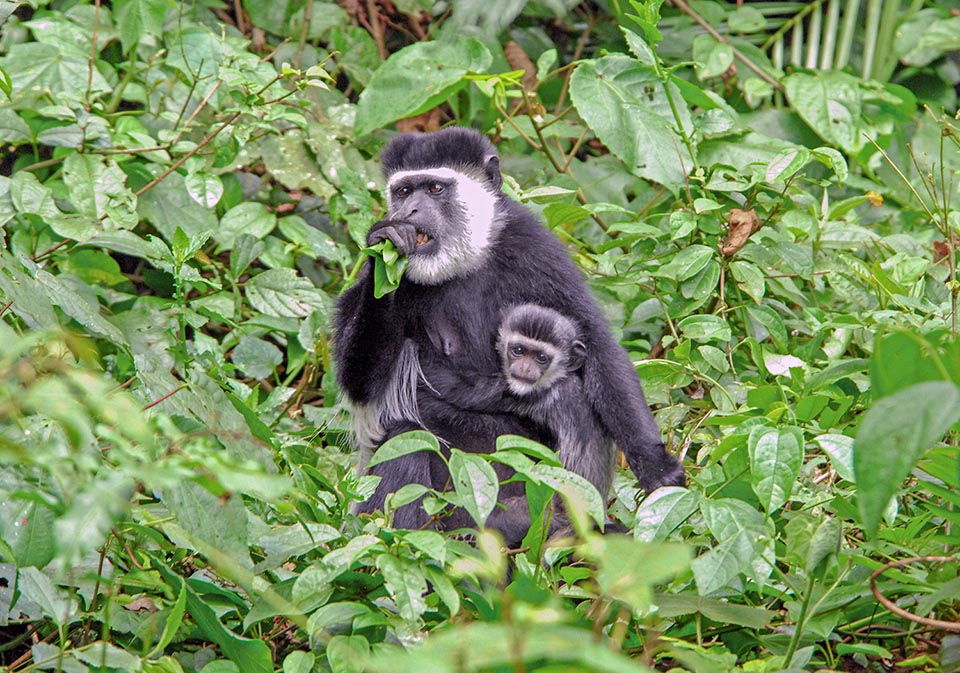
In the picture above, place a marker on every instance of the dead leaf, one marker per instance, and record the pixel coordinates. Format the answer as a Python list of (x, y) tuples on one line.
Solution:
[(741, 224)]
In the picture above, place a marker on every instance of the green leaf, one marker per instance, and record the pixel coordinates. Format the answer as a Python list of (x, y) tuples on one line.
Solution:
[(136, 18), (402, 445), (663, 511), (749, 278), (839, 448), (298, 662), (573, 487), (776, 456), (891, 438), (406, 584), (250, 655), (476, 483), (284, 294), (787, 163), (55, 603), (388, 267), (744, 541), (686, 263), (831, 102), (417, 78), (36, 68), (713, 57), (613, 95), (719, 610), (171, 623), (764, 321), (220, 523), (204, 188), (256, 357), (247, 218), (704, 328), (629, 569), (811, 540)]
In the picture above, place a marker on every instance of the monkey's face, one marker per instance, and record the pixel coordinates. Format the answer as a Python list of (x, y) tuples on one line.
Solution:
[(455, 218), (530, 365)]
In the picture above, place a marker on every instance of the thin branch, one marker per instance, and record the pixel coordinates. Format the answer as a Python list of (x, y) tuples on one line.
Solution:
[(686, 9)]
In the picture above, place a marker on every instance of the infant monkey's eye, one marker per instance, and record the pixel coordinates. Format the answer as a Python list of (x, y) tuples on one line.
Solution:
[(541, 358), (435, 188), (517, 351)]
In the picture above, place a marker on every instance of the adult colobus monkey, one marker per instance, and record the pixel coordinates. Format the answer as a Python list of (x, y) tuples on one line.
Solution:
[(472, 253)]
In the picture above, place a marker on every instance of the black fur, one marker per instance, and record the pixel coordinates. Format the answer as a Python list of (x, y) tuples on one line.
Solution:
[(454, 326)]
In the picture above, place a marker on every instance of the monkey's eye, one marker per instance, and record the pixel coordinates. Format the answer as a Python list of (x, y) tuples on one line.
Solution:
[(435, 188), (403, 191), (541, 358), (516, 351)]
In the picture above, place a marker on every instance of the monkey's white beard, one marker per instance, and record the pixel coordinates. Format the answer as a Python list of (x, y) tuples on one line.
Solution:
[(460, 251)]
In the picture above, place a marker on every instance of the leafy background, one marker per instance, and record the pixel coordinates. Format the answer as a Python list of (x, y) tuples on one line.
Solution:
[(762, 196)]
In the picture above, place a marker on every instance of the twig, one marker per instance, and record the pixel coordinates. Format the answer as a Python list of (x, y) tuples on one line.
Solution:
[(896, 609), (686, 9)]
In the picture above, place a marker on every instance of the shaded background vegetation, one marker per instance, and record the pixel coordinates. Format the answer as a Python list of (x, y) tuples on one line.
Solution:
[(762, 196)]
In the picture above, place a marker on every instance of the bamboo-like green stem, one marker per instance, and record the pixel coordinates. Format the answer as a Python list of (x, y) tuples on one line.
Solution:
[(828, 49), (813, 41), (844, 46), (874, 9)]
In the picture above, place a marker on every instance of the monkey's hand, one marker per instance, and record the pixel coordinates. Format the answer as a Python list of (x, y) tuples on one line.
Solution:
[(403, 235)]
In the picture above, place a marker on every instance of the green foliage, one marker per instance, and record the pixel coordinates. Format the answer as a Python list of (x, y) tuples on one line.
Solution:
[(185, 191)]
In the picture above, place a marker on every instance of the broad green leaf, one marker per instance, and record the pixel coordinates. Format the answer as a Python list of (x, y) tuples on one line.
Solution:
[(27, 527), (476, 483), (742, 535), (719, 610), (256, 357), (891, 438), (811, 540), (97, 187), (529, 447), (220, 523), (246, 249), (406, 584), (764, 322), (776, 456), (686, 263), (103, 655), (168, 206), (55, 603), (839, 448), (704, 328), (348, 654), (663, 511), (749, 278), (94, 267), (282, 293), (36, 68), (629, 569), (713, 58), (831, 102), (402, 445), (204, 188), (573, 486), (247, 218), (136, 18), (417, 78), (786, 163), (298, 662), (612, 95)]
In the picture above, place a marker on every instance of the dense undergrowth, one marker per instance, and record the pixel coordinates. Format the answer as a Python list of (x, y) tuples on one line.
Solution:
[(762, 195)]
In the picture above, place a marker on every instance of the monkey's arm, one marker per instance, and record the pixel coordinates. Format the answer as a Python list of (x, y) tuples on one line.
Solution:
[(367, 339), (613, 388)]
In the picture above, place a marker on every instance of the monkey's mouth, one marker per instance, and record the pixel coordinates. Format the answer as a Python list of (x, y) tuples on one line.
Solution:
[(425, 243)]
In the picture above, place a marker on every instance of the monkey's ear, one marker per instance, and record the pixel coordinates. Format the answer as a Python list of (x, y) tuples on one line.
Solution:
[(578, 354), (491, 166)]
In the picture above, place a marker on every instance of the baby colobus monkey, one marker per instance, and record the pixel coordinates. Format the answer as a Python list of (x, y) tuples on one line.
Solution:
[(540, 352)]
